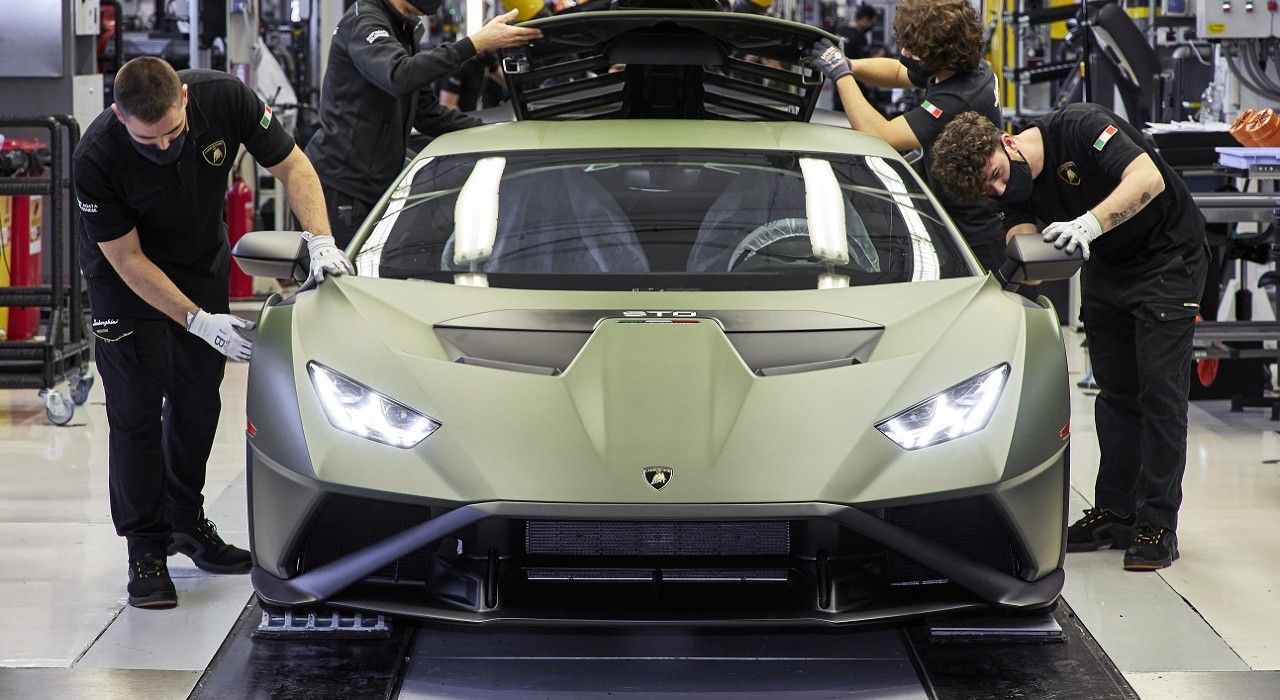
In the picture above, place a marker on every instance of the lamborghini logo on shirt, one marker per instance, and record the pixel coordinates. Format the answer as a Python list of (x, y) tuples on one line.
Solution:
[(657, 477), (215, 153), (1067, 171)]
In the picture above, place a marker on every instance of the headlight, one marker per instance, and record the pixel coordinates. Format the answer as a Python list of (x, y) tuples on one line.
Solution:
[(355, 408), (961, 410)]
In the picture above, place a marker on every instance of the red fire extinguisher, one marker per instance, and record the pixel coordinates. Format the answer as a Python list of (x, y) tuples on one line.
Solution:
[(239, 222), (25, 235)]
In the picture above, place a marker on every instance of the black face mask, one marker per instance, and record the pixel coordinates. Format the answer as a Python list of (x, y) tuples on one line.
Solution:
[(1018, 188), (161, 156), (912, 64), (426, 7)]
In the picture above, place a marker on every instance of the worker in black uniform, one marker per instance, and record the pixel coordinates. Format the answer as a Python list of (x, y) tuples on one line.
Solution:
[(378, 85), (150, 176), (941, 43), (1094, 183), (478, 84), (857, 45)]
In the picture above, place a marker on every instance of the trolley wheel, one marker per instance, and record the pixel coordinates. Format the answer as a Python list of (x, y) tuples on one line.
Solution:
[(58, 409), (80, 387)]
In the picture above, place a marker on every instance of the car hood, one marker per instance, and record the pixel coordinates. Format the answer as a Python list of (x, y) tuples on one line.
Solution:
[(570, 396)]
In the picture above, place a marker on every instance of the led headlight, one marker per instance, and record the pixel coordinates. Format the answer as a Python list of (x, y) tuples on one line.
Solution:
[(961, 410), (355, 408)]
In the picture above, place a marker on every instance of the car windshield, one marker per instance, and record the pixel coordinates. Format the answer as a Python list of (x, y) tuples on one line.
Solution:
[(660, 219)]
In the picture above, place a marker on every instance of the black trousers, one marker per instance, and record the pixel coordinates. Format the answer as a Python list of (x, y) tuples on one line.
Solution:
[(161, 384), (1139, 330), (346, 213)]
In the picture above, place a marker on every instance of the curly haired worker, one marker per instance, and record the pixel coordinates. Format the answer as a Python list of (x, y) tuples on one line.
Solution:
[(1092, 181), (941, 43)]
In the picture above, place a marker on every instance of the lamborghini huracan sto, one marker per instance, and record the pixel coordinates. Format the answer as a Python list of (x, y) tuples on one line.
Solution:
[(659, 349)]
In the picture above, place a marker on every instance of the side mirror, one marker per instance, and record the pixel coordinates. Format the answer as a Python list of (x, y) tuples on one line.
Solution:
[(1030, 259), (276, 254)]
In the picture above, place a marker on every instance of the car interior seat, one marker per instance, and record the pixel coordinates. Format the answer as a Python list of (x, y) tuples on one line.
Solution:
[(750, 204), (559, 221)]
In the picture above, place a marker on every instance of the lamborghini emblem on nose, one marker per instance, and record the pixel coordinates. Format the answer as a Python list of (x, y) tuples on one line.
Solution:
[(215, 153), (657, 477)]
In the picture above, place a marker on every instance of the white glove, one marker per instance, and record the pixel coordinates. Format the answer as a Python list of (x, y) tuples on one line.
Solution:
[(222, 331), (1080, 231), (326, 259)]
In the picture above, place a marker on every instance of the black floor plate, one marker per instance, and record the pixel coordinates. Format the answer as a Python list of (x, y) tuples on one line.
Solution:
[(1075, 670), (441, 661), (303, 670)]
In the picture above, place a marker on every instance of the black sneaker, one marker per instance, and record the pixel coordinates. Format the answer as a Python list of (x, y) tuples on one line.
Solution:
[(1153, 548), (149, 583), (206, 548), (1098, 529)]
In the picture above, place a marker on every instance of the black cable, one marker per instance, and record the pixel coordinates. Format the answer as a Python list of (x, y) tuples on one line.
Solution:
[(1247, 80), (1255, 63)]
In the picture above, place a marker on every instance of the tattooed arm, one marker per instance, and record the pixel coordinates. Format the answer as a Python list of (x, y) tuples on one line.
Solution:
[(1140, 183)]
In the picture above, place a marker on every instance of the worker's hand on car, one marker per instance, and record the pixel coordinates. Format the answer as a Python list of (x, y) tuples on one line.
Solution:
[(223, 332), (499, 34), (828, 58), (1079, 232), (326, 258)]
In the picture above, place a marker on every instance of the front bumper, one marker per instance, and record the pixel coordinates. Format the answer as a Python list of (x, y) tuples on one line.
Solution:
[(844, 564)]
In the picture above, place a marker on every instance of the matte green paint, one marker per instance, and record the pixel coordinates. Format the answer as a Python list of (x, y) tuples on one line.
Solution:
[(640, 395)]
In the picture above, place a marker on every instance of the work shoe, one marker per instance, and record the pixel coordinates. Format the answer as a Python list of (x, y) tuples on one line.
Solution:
[(206, 548), (149, 583), (1098, 529), (1153, 548)]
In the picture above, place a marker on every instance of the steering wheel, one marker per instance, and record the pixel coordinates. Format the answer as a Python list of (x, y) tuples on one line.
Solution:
[(765, 235)]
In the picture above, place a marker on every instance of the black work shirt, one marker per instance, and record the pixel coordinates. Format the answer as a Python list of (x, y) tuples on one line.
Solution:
[(178, 208), (473, 85), (378, 85), (855, 41), (1086, 150), (970, 91)]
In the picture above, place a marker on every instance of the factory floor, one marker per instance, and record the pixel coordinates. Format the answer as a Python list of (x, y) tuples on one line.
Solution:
[(1204, 628)]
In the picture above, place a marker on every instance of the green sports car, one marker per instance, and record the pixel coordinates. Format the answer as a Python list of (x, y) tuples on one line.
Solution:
[(661, 349)]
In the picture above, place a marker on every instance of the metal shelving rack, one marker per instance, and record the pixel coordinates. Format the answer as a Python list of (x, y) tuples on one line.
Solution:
[(61, 358), (1021, 20)]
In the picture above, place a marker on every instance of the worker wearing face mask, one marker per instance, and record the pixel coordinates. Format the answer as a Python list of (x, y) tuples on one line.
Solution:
[(1092, 182), (941, 43), (376, 87), (151, 176)]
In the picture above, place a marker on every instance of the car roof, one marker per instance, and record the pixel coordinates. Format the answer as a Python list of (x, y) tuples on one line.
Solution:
[(682, 134)]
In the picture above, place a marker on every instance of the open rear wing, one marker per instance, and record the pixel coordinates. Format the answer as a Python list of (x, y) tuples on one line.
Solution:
[(674, 64)]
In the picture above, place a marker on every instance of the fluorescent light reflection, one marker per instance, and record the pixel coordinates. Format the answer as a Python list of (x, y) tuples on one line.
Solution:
[(368, 260), (925, 255), (824, 209), (475, 216)]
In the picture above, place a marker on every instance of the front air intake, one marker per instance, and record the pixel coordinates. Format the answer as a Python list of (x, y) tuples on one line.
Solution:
[(657, 539)]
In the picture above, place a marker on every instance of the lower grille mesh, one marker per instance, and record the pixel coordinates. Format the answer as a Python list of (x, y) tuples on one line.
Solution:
[(656, 539), (968, 526), (345, 524)]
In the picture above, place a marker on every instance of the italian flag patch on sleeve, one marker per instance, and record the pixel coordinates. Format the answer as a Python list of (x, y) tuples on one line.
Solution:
[(931, 108), (265, 121), (1104, 137)]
